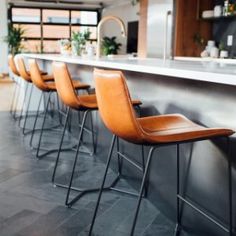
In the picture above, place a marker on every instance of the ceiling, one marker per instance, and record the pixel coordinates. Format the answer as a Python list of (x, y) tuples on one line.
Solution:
[(69, 3)]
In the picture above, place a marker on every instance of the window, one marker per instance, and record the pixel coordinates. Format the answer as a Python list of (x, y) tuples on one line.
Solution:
[(25, 15), (93, 30), (56, 16), (44, 27), (56, 31), (84, 17)]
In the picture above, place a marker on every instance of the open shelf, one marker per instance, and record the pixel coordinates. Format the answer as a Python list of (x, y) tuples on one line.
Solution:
[(219, 18)]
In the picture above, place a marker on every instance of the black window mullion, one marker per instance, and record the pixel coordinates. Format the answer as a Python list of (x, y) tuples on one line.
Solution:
[(41, 29), (41, 23), (70, 23)]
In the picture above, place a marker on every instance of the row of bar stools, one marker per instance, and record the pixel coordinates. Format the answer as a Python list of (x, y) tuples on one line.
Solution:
[(22, 76), (118, 115), (15, 75), (25, 75), (116, 109), (46, 88)]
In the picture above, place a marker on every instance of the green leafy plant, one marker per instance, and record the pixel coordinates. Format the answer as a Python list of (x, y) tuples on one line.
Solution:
[(14, 39), (134, 2), (222, 46), (78, 41), (110, 46), (199, 40)]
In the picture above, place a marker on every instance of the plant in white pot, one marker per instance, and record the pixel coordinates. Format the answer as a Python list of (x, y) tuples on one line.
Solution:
[(14, 39), (110, 46), (78, 41), (65, 46)]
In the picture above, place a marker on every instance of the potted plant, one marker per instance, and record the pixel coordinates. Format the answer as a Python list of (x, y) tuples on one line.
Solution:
[(110, 46), (78, 41), (134, 2), (65, 46), (14, 39)]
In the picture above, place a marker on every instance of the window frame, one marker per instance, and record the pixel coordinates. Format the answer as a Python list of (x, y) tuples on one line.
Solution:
[(41, 23)]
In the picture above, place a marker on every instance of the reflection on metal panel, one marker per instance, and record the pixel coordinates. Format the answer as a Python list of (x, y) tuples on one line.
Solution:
[(159, 32)]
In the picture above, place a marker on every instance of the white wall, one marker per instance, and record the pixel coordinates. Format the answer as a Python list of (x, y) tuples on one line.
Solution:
[(127, 13), (3, 33)]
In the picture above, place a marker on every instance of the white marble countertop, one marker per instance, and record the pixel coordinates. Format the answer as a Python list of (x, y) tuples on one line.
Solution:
[(209, 71)]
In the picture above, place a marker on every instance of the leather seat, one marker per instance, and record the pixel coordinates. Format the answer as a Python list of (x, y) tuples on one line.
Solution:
[(176, 128), (44, 83), (12, 65), (26, 74), (117, 113)]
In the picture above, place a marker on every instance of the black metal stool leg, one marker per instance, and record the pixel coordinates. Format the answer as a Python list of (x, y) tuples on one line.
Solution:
[(58, 108), (92, 133), (143, 166), (44, 119), (69, 204), (103, 184), (142, 189), (27, 108), (178, 217), (119, 158), (60, 146), (36, 119), (16, 102), (230, 188), (13, 98), (22, 108)]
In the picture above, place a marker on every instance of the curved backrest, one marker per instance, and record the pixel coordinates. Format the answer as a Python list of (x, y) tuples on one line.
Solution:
[(64, 85), (115, 105), (36, 76), (12, 65), (22, 69)]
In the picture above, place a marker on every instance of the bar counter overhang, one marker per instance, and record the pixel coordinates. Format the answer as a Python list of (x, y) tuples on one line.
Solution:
[(204, 92)]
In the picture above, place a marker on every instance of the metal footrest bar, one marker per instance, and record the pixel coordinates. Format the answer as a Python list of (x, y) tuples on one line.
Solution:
[(87, 129), (202, 212), (83, 151), (84, 191), (23, 117), (51, 151), (124, 191), (45, 129), (130, 161)]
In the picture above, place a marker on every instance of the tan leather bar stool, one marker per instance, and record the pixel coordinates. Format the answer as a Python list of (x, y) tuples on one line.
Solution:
[(154, 131), (25, 75), (81, 103), (46, 88), (15, 72)]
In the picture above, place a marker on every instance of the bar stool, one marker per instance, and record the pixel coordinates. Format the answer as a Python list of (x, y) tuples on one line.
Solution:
[(81, 103), (154, 131), (15, 72), (46, 88), (25, 75)]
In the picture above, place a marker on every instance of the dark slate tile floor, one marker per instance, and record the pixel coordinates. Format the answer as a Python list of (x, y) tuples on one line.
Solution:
[(31, 206)]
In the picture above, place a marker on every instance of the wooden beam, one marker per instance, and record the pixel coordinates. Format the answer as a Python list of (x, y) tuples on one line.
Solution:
[(142, 34)]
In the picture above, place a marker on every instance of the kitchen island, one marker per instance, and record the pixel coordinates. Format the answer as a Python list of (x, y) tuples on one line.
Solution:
[(204, 92)]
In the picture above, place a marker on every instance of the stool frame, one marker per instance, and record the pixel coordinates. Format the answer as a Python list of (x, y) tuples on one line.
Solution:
[(81, 191), (179, 197)]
